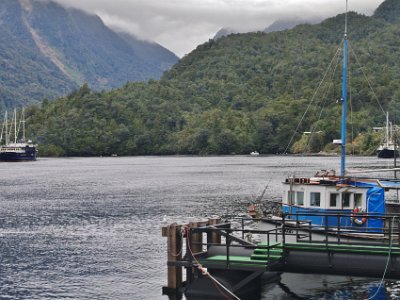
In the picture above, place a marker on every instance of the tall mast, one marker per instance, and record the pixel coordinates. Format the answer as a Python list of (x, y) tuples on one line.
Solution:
[(388, 140), (6, 126), (23, 124), (15, 125), (344, 99)]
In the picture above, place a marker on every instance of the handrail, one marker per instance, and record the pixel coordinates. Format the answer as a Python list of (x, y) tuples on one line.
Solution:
[(303, 231)]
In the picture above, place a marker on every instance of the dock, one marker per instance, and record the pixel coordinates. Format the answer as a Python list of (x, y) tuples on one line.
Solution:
[(220, 261)]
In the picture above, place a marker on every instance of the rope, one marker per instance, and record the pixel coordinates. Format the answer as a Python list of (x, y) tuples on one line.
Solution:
[(205, 272), (387, 262), (180, 251)]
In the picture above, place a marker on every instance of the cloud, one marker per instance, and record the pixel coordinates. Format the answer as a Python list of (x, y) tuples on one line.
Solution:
[(181, 25)]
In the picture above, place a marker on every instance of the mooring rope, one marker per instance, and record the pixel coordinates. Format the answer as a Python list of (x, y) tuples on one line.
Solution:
[(205, 272), (387, 262)]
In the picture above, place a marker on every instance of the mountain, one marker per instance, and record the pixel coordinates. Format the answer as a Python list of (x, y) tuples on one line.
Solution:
[(389, 10), (237, 94), (47, 50), (284, 24), (224, 32), (278, 25)]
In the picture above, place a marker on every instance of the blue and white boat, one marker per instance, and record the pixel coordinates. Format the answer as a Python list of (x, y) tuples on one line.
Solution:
[(339, 201)]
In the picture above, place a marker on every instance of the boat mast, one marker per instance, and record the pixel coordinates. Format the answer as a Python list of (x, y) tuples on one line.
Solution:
[(23, 124), (15, 126), (344, 99), (387, 139), (6, 126)]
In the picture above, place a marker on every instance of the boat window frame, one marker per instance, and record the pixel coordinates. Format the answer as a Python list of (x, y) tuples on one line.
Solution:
[(291, 197), (350, 199), (312, 199), (361, 200), (337, 200), (297, 198)]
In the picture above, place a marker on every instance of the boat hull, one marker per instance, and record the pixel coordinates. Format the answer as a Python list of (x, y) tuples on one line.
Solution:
[(388, 153), (29, 154)]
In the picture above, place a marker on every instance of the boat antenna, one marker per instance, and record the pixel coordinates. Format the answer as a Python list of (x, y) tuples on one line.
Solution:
[(344, 99)]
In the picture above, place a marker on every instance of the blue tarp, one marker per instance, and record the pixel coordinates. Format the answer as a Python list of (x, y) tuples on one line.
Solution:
[(375, 205), (375, 199)]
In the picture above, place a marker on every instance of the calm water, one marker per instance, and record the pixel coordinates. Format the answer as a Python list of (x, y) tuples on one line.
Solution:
[(90, 228)]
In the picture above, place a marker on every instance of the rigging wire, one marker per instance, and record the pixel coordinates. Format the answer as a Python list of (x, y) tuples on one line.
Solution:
[(312, 100), (367, 80), (324, 99), (323, 102), (351, 112)]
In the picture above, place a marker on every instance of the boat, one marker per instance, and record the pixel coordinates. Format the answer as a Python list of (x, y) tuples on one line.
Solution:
[(345, 202), (388, 149), (254, 153), (13, 148)]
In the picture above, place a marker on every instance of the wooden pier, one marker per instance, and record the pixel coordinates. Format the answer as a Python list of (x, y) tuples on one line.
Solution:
[(216, 253)]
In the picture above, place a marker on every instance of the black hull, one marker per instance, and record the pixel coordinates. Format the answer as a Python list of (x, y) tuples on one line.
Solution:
[(28, 155), (387, 153)]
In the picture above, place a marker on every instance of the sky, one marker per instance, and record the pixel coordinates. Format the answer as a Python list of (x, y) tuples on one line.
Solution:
[(182, 25)]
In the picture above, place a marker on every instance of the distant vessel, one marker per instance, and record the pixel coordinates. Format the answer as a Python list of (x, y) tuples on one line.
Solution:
[(254, 153), (15, 149), (388, 149)]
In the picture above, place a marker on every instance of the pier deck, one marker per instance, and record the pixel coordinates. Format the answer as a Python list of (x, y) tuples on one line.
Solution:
[(219, 249)]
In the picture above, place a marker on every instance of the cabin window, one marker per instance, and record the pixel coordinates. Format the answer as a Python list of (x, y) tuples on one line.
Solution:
[(334, 200), (346, 199), (290, 197), (300, 198), (315, 199), (357, 200)]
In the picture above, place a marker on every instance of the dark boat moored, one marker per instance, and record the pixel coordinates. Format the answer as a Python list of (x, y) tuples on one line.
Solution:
[(18, 149), (18, 152), (387, 153), (389, 148)]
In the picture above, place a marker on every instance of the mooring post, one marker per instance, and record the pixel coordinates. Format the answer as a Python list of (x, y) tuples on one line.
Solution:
[(174, 248), (196, 240), (213, 237)]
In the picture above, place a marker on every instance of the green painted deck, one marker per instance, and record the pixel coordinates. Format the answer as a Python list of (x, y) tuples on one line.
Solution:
[(261, 258), (265, 255)]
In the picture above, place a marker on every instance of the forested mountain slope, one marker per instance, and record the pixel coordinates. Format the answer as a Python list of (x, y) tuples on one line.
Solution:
[(47, 50), (239, 93)]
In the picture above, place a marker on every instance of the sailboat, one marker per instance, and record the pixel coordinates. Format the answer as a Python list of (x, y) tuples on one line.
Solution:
[(388, 149), (12, 148), (338, 201)]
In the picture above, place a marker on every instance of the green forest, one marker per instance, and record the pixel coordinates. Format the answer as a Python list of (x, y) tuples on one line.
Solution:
[(241, 93)]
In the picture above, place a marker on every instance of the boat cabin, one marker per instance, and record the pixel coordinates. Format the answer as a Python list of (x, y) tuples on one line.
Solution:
[(334, 201)]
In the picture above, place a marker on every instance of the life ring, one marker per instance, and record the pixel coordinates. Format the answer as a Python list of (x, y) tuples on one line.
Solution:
[(355, 216)]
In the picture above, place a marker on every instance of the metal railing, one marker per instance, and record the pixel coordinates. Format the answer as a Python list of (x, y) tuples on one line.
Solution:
[(294, 228)]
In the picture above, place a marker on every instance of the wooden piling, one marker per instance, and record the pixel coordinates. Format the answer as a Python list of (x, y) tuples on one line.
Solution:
[(214, 237), (196, 239), (174, 247)]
